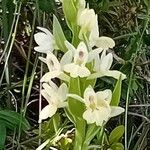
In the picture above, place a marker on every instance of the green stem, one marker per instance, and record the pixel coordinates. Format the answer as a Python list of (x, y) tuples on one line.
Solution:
[(80, 135)]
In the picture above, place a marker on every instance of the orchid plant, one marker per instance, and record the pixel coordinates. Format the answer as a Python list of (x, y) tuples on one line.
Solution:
[(78, 69)]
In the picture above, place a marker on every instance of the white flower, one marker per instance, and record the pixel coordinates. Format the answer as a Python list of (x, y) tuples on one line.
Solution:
[(98, 109), (102, 67), (103, 41), (78, 68), (45, 40), (55, 68), (55, 96), (86, 20)]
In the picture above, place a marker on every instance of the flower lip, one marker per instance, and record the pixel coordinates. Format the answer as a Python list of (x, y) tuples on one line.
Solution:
[(80, 58), (92, 103)]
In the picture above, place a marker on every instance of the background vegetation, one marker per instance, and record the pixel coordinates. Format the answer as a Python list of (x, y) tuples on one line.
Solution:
[(126, 21)]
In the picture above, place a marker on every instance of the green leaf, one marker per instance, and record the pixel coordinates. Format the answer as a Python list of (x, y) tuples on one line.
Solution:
[(117, 146), (70, 13), (2, 134), (116, 93), (74, 104), (14, 118), (92, 130), (59, 35), (116, 134)]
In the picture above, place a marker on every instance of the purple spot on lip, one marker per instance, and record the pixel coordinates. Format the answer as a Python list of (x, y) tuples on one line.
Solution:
[(81, 54)]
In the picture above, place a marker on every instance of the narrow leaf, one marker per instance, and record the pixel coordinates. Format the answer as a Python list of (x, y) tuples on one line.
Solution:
[(2, 134), (59, 35), (70, 12), (14, 118), (116, 93)]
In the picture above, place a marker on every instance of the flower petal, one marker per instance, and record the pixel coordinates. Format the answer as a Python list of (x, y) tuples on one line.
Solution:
[(53, 85), (115, 74), (89, 96), (96, 75), (40, 37), (50, 91), (72, 69), (83, 72), (62, 92), (94, 33), (81, 53), (46, 31), (49, 75), (52, 62), (105, 95), (67, 58), (47, 111), (70, 46), (64, 77), (97, 62), (89, 116), (101, 116), (43, 49), (116, 110), (106, 62), (43, 59), (105, 42), (94, 53), (46, 96), (45, 41)]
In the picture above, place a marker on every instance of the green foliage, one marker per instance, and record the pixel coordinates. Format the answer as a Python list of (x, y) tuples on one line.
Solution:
[(59, 35), (2, 134), (11, 120), (73, 103), (116, 93), (116, 134), (117, 146), (14, 119), (70, 13), (123, 20)]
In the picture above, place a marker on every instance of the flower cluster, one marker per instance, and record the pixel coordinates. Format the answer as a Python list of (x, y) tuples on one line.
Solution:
[(81, 61)]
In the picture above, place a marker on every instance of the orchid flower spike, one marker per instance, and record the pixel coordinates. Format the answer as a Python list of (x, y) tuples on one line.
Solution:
[(45, 41), (98, 109), (55, 68), (102, 67), (55, 96), (80, 58)]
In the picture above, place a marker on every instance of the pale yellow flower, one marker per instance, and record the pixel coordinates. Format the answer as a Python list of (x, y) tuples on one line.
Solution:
[(55, 96), (98, 109)]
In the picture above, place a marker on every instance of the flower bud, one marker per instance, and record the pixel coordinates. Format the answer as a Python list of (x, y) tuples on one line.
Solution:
[(86, 20)]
